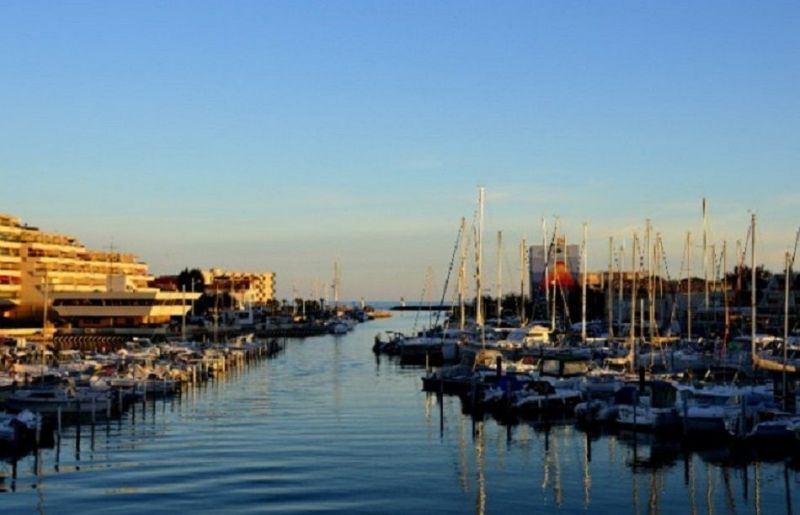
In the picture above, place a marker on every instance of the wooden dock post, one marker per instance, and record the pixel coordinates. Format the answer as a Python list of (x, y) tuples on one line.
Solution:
[(685, 415), (78, 431)]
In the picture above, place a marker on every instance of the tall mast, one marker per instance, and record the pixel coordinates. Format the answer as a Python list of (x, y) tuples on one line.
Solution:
[(44, 308), (499, 285), (191, 285), (546, 258), (44, 324), (183, 312), (479, 262), (610, 287), (753, 287), (648, 229), (522, 246), (555, 276), (634, 270), (632, 330), (787, 272), (336, 280), (712, 257), (725, 293), (557, 283), (689, 285), (583, 284), (656, 273), (705, 252), (621, 282), (462, 276)]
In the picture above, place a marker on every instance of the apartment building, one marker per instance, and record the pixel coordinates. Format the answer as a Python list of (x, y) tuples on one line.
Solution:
[(257, 288), (39, 269), (10, 264)]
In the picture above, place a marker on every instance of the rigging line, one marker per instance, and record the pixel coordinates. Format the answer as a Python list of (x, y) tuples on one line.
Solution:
[(464, 244), (421, 300), (550, 249), (568, 319), (743, 256), (449, 272)]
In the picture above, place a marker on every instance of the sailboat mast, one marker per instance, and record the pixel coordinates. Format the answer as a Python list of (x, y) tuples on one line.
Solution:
[(557, 282), (786, 321), (656, 284), (689, 285), (462, 276), (183, 312), (44, 306), (753, 287), (648, 229), (634, 270), (555, 277), (705, 252), (712, 256), (44, 324), (725, 292), (479, 260), (546, 258), (583, 284), (335, 285), (522, 246), (610, 287), (499, 286), (620, 300), (633, 289)]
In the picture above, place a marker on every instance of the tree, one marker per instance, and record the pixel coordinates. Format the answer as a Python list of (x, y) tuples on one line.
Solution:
[(191, 281), (739, 280)]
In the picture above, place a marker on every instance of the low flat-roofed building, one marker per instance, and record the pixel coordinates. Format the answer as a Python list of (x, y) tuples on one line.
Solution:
[(122, 304)]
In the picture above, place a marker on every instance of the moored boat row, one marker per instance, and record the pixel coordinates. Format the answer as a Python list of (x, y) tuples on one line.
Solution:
[(43, 390)]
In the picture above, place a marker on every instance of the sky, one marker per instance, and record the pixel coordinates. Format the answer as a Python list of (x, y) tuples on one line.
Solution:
[(285, 136)]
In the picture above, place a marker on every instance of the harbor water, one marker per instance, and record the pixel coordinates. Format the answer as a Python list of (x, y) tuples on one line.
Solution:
[(328, 427)]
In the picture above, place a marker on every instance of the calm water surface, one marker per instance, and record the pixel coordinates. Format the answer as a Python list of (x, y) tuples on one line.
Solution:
[(327, 427)]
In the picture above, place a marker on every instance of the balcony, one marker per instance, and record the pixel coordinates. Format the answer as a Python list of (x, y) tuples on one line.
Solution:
[(10, 280)]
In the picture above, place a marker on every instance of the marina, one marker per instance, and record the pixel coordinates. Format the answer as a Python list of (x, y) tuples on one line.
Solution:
[(399, 257), (327, 426)]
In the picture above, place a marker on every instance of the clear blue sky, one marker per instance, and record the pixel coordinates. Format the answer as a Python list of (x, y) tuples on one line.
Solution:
[(286, 135)]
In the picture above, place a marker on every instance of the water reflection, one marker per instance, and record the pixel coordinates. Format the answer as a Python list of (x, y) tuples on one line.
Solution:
[(587, 473), (480, 464), (758, 488), (713, 477)]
